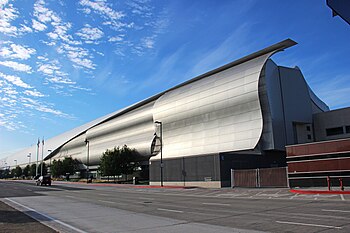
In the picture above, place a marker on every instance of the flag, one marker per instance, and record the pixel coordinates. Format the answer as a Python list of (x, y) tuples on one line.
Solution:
[(42, 141), (38, 142)]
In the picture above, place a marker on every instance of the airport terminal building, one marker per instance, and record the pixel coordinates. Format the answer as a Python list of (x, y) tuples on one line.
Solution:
[(238, 116)]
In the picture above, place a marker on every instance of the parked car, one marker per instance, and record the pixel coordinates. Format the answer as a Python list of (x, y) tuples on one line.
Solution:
[(43, 180)]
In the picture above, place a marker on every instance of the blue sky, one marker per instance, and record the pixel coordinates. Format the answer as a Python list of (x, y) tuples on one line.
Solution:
[(65, 63)]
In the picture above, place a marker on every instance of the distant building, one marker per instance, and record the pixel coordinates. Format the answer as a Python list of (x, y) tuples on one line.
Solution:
[(329, 156), (238, 116)]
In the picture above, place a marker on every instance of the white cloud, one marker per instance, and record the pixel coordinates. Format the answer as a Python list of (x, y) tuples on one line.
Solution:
[(48, 69), (148, 42), (43, 14), (38, 26), (79, 56), (14, 80), (101, 7), (17, 51), (52, 70), (16, 66), (41, 107), (90, 34), (8, 14), (116, 38), (34, 93)]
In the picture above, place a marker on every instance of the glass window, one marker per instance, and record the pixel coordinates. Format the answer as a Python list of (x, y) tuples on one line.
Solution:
[(347, 128), (334, 131), (309, 136), (308, 128)]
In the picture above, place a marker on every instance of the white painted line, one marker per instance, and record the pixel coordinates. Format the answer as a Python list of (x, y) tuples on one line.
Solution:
[(220, 204), (102, 194), (342, 197), (146, 198), (308, 224), (294, 196), (29, 190), (69, 196), (340, 211), (46, 216), (176, 211), (75, 191), (111, 202)]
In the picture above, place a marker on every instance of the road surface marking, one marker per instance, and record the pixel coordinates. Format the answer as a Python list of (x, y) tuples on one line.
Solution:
[(146, 198), (111, 202), (70, 196), (46, 216), (294, 196), (73, 191), (176, 211), (308, 224), (342, 197), (340, 211), (29, 190), (220, 204), (102, 194)]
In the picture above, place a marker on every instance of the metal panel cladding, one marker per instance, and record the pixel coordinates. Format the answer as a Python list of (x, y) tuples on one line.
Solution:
[(218, 113), (134, 129)]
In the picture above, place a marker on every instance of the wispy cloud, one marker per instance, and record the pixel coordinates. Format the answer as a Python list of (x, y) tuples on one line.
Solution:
[(52, 71), (8, 14), (16, 51), (38, 26), (33, 93), (90, 34), (16, 66), (41, 107), (15, 80), (101, 7), (78, 55)]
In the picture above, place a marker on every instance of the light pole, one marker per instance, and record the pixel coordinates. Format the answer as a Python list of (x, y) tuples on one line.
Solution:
[(15, 161), (42, 158), (50, 158), (87, 160), (29, 156), (161, 151)]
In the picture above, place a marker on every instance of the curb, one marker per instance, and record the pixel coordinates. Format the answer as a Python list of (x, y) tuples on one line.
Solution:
[(318, 192), (128, 185)]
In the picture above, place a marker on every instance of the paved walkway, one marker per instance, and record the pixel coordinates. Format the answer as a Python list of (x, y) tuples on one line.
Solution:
[(12, 220)]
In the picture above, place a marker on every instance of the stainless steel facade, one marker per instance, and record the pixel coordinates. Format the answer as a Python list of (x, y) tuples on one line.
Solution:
[(230, 109)]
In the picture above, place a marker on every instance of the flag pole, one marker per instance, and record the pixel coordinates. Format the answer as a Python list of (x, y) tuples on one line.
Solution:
[(37, 157), (42, 156)]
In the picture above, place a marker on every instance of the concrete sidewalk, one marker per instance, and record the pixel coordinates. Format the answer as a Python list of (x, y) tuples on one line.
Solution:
[(12, 220)]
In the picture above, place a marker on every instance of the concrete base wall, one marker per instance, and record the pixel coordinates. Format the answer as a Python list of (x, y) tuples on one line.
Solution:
[(202, 184)]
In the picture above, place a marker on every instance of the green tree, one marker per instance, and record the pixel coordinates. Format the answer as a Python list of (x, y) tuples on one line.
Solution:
[(128, 161), (18, 171), (57, 168), (118, 161), (69, 165), (12, 173), (33, 169), (26, 171), (44, 169), (107, 162)]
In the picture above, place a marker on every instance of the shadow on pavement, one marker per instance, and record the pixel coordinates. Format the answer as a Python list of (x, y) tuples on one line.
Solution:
[(12, 220)]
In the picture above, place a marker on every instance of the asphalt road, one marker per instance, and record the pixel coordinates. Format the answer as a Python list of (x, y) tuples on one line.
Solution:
[(91, 208)]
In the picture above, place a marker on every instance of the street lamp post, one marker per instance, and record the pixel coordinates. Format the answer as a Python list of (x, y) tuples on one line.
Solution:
[(15, 161), (161, 151), (87, 160), (42, 158), (50, 158), (29, 156)]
